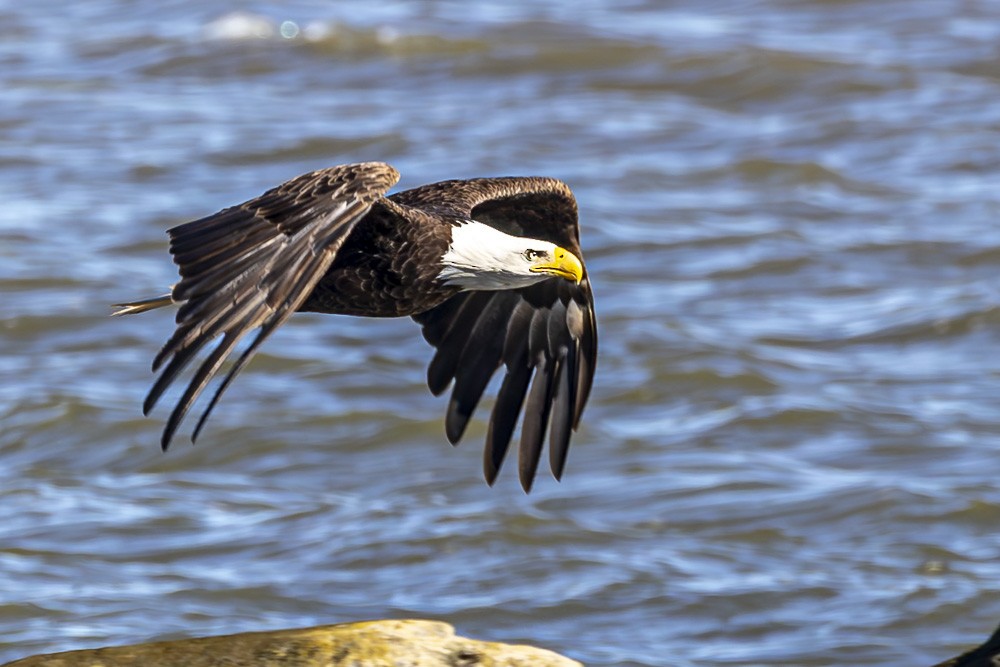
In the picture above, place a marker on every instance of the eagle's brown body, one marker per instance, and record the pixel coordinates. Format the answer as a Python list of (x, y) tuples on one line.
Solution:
[(382, 268)]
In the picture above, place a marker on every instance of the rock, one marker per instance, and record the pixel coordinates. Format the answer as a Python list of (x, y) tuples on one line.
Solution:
[(409, 643)]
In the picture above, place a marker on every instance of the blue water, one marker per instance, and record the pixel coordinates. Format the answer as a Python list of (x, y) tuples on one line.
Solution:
[(789, 214)]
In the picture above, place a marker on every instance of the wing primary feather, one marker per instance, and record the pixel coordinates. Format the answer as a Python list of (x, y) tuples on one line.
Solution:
[(241, 362), (211, 365), (562, 414), (276, 320), (183, 356), (442, 368), (536, 418), (558, 334), (515, 344), (207, 279), (195, 260), (503, 419), (210, 298), (437, 322), (201, 378), (560, 342), (205, 232), (480, 359), (244, 358), (189, 331), (288, 262), (538, 333), (304, 266), (587, 360), (536, 412)]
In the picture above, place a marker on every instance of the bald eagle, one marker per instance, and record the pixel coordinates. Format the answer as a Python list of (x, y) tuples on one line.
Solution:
[(491, 269)]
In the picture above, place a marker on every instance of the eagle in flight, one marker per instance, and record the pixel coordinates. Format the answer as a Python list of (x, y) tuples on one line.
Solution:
[(490, 268)]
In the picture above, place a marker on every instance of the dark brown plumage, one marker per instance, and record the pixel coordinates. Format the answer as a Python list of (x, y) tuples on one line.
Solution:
[(329, 241)]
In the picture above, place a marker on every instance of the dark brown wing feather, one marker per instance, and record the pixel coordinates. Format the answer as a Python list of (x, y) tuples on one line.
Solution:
[(545, 335), (253, 265)]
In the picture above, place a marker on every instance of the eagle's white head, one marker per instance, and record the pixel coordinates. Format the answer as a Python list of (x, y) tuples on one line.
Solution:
[(483, 258)]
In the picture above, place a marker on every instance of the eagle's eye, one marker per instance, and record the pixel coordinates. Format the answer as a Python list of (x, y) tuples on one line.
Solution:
[(531, 255)]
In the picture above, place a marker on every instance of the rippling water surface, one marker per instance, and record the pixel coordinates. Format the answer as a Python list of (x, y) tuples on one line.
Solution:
[(792, 452)]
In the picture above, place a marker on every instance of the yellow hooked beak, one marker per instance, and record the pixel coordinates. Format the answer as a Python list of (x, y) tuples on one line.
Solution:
[(563, 264)]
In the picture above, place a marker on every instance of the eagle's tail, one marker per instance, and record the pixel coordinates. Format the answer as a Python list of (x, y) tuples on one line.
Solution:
[(133, 307)]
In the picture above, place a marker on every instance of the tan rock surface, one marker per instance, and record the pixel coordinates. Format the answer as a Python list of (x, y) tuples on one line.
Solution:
[(405, 643)]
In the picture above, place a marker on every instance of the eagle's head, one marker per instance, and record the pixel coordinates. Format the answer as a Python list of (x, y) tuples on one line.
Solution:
[(481, 257)]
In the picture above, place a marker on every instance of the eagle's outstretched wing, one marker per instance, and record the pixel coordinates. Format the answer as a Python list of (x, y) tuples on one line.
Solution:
[(251, 266), (545, 335)]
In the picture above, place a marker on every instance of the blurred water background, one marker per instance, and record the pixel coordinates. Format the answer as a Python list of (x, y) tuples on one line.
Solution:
[(789, 209)]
